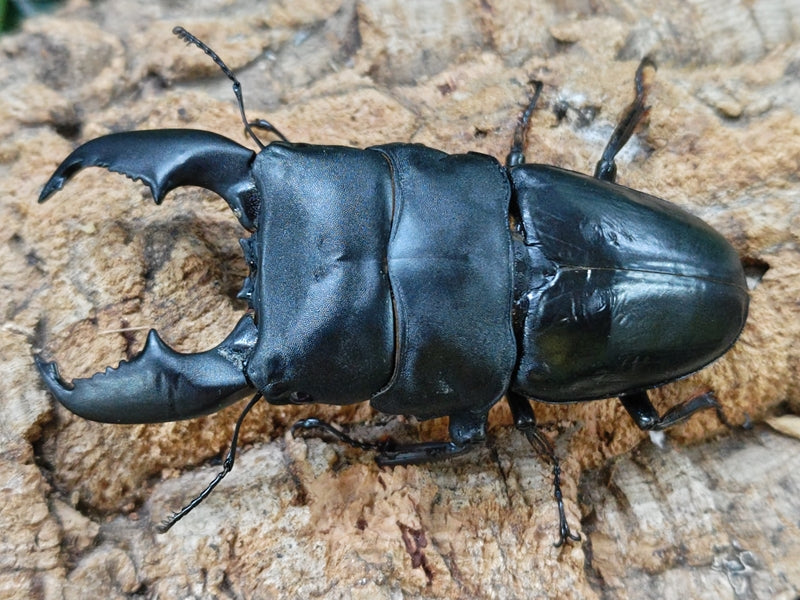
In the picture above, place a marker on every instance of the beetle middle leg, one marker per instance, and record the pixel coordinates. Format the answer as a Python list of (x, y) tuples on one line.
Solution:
[(647, 418), (606, 169), (516, 155), (525, 421)]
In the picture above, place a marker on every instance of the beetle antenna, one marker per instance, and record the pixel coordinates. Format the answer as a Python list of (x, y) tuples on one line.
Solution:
[(516, 155), (227, 465), (237, 88)]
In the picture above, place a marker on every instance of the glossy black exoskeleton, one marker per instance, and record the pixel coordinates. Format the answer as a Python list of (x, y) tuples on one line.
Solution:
[(433, 284)]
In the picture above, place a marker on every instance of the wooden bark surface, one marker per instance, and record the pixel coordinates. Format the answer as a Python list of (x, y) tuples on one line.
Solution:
[(712, 514)]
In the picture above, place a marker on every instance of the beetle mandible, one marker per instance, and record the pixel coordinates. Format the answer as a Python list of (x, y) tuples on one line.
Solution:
[(433, 284)]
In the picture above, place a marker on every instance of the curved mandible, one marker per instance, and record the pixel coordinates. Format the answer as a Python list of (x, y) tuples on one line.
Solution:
[(159, 384), (168, 158)]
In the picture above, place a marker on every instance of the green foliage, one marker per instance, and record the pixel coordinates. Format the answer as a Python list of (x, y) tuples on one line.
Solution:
[(12, 12)]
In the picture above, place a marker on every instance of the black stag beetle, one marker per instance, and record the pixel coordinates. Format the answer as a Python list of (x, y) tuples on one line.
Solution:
[(433, 284)]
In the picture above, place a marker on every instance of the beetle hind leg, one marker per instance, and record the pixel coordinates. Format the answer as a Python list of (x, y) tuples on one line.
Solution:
[(647, 418), (525, 421)]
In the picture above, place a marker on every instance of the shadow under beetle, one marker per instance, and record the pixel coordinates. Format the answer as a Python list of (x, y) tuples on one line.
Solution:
[(433, 284)]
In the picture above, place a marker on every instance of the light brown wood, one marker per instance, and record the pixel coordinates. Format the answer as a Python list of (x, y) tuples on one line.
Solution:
[(712, 515)]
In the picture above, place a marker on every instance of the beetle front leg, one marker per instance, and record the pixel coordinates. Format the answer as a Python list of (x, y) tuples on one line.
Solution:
[(525, 421), (312, 423), (466, 431), (647, 418)]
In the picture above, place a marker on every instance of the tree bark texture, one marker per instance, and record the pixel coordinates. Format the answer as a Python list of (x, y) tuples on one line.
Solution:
[(702, 513)]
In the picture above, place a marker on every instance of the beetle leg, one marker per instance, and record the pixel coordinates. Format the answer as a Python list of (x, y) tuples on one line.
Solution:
[(466, 431), (525, 421), (647, 418), (227, 465), (314, 423), (421, 453), (606, 169), (516, 155)]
